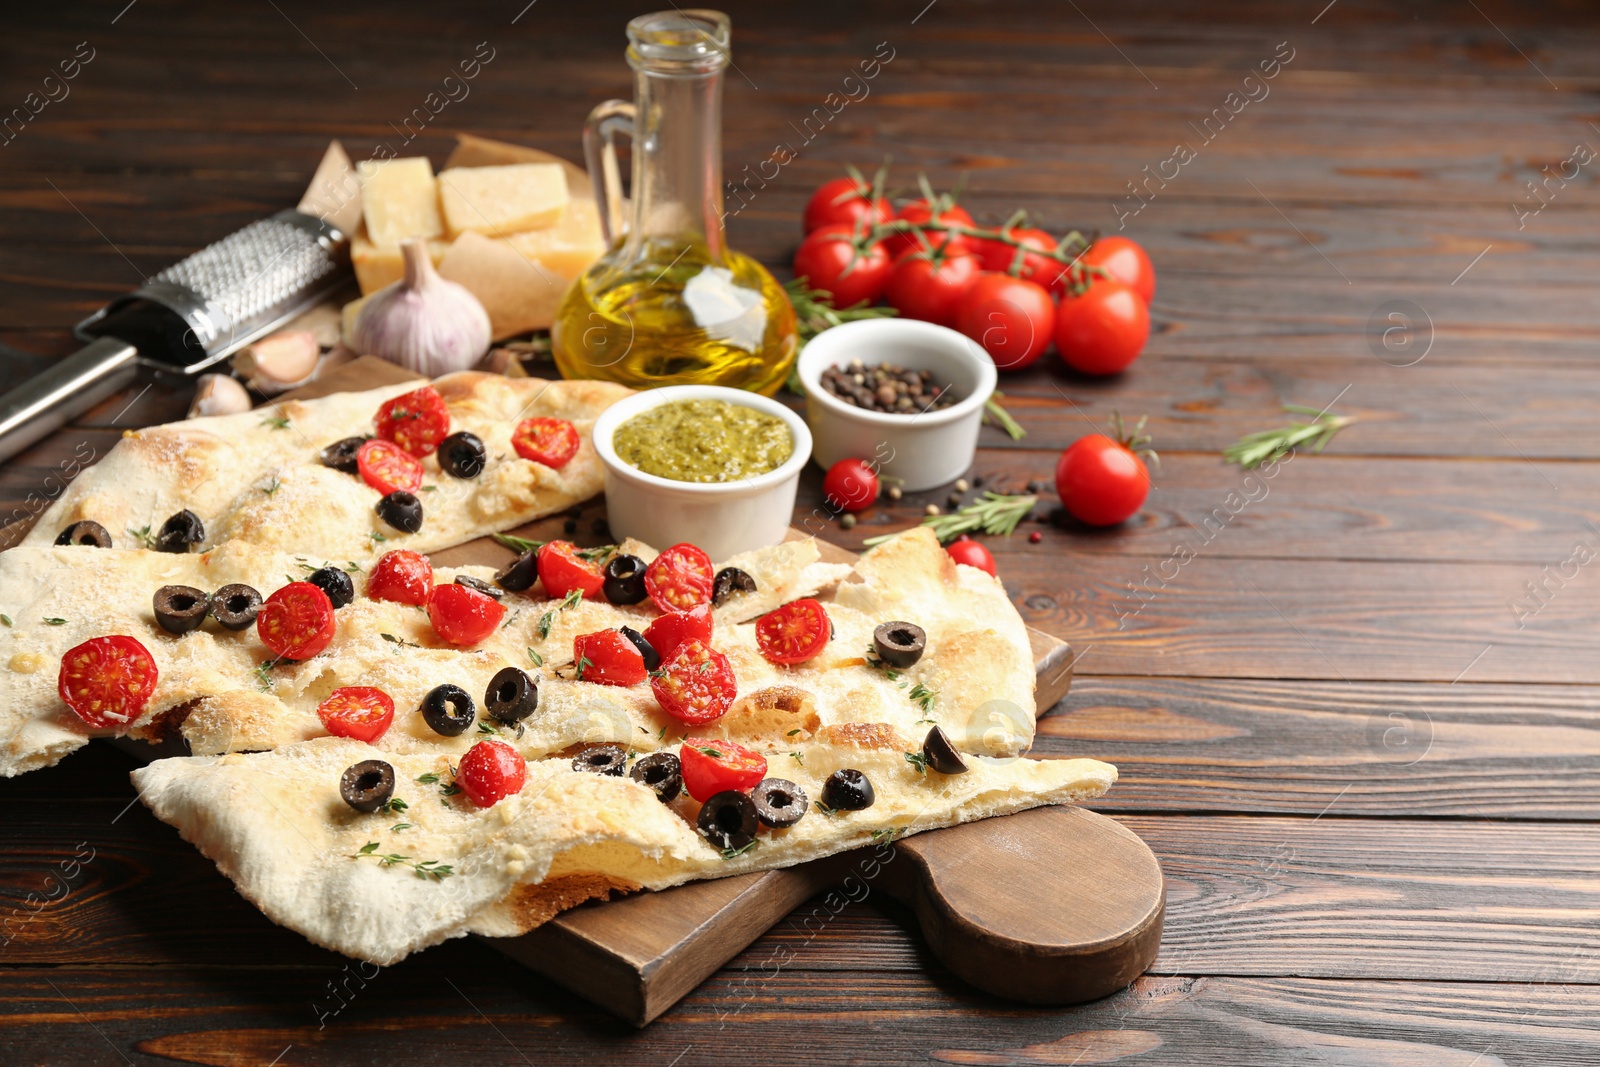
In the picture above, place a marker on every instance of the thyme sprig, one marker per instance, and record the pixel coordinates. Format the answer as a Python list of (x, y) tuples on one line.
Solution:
[(1001, 417), (424, 869), (1254, 449), (995, 513), (549, 617)]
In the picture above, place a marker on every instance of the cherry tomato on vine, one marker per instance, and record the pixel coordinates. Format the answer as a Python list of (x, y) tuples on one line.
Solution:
[(463, 616), (403, 576), (357, 711), (562, 570), (844, 200), (850, 484), (828, 260), (998, 256), (710, 766), (965, 550), (1101, 480), (1104, 330), (919, 212), (490, 772), (416, 421), (919, 288), (1126, 262), (1012, 318), (107, 681)]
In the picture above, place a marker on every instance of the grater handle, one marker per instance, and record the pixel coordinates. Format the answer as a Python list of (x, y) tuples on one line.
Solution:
[(46, 402)]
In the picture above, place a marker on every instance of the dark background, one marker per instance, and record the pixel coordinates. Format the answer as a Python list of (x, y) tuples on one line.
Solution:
[(1371, 785)]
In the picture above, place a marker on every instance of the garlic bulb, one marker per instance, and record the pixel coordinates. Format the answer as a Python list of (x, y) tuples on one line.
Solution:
[(423, 322)]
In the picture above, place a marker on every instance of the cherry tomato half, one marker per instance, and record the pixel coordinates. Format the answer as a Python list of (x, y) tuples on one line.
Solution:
[(850, 484), (921, 289), (403, 576), (828, 260), (608, 658), (463, 616), (296, 622), (357, 711), (552, 442), (1104, 330), (795, 632), (1012, 318), (679, 578), (562, 570), (920, 213), (490, 772), (695, 684), (844, 200), (966, 550), (107, 681), (416, 421), (669, 631), (1126, 262), (709, 767), (387, 467), (1101, 481)]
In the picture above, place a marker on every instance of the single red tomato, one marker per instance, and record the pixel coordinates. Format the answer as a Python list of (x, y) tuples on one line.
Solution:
[(608, 658), (416, 421), (403, 576), (919, 213), (463, 616), (490, 772), (710, 767), (999, 256), (919, 288), (828, 259), (1104, 330), (695, 684), (357, 711), (387, 467), (965, 550), (669, 631), (679, 578), (1101, 481), (850, 484), (1012, 318), (562, 570), (795, 632), (1126, 262), (296, 622), (107, 681), (844, 200), (552, 442)]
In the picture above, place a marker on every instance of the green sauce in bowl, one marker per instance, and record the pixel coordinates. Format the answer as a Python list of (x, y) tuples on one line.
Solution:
[(703, 441)]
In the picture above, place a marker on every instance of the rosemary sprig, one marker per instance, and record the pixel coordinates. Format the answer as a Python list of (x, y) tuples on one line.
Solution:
[(1254, 449), (814, 310), (518, 544), (1002, 418), (425, 868), (735, 853), (995, 513)]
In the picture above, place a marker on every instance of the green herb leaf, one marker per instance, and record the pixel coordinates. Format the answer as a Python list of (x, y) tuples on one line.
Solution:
[(996, 513), (919, 761), (924, 696), (376, 536), (520, 544), (538, 660), (734, 853), (399, 826), (273, 488), (583, 661), (144, 535), (798, 757), (791, 733), (393, 806), (1254, 449), (277, 422), (1002, 417), (424, 869), (428, 779), (485, 728), (7, 620), (714, 753), (55, 621)]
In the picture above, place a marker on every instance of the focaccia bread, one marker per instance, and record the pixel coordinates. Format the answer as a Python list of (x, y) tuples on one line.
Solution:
[(257, 477)]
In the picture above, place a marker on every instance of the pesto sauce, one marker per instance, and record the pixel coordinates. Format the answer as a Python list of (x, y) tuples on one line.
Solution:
[(704, 441)]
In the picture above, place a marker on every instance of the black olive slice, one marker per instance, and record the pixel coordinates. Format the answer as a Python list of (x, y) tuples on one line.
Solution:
[(478, 585), (180, 608), (235, 606), (940, 754), (605, 759), (728, 820), (652, 658), (180, 531), (462, 455), (511, 697), (624, 583), (336, 583), (899, 644), (661, 773), (848, 790), (730, 580), (520, 574), (85, 532), (402, 510), (341, 455), (368, 785), (779, 803), (448, 710)]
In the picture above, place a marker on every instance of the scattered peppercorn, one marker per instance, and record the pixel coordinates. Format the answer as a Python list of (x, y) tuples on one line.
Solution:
[(846, 521), (932, 509), (570, 526), (961, 485), (977, 481), (887, 388), (895, 493), (1033, 487), (1035, 537), (954, 500)]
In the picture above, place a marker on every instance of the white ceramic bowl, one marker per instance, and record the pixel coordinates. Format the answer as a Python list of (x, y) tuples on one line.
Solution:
[(723, 518), (923, 450)]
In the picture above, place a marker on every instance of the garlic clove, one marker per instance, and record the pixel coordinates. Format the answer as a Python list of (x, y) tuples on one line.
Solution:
[(218, 394), (280, 361), (422, 322)]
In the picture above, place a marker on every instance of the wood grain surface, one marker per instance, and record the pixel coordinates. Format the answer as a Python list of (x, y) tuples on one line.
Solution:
[(1372, 778)]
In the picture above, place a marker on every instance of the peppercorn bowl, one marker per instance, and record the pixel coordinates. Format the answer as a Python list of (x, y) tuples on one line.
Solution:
[(723, 518), (923, 449)]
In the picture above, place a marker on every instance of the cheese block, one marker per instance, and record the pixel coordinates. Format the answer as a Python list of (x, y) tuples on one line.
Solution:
[(520, 280), (568, 247), (399, 199), (380, 265), (498, 201)]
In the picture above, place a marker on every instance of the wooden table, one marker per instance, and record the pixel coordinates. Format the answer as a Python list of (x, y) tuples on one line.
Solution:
[(1371, 783)]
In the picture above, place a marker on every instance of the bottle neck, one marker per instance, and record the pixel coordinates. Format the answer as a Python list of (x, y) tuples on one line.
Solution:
[(677, 159)]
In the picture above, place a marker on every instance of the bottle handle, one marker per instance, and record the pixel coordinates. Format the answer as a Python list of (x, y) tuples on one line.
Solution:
[(600, 156)]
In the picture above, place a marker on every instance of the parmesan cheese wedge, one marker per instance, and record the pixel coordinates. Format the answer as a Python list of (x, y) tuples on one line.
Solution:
[(498, 201), (399, 199), (378, 265)]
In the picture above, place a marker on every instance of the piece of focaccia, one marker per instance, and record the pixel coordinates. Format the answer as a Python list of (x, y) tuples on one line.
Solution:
[(220, 691), (360, 884), (258, 477)]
